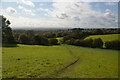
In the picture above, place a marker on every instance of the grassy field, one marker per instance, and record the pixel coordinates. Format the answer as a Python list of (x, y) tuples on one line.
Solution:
[(44, 61), (34, 61), (109, 37), (94, 63)]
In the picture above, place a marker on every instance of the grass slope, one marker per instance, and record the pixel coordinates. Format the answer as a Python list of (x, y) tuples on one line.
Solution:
[(34, 61), (94, 63), (43, 61), (59, 39), (109, 37)]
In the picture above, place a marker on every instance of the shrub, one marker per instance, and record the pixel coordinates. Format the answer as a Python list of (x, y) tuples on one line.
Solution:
[(113, 44), (97, 43), (53, 41)]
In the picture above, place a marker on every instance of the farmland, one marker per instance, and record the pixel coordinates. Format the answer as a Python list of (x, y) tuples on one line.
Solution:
[(26, 61)]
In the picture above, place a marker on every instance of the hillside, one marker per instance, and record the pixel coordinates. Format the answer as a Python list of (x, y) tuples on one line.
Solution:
[(26, 61)]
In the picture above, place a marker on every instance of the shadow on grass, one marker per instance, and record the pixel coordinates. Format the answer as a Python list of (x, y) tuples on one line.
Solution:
[(9, 45)]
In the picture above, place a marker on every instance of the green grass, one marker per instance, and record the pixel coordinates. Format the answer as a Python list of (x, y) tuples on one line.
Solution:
[(109, 37), (94, 63), (59, 39), (34, 61), (43, 61), (105, 38)]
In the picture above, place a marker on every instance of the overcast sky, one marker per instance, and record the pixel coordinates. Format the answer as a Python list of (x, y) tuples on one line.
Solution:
[(53, 14)]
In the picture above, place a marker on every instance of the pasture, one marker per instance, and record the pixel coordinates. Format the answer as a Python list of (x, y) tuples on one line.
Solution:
[(34, 61), (59, 39), (93, 63), (109, 37)]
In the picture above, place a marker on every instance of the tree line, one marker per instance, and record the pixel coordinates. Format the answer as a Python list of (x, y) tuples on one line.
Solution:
[(71, 36)]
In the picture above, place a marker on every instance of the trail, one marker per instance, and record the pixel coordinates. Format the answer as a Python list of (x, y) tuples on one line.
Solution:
[(67, 67)]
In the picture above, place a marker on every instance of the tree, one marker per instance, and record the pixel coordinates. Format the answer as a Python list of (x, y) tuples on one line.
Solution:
[(23, 38), (53, 41), (98, 32), (7, 33), (39, 40), (97, 43), (113, 44), (70, 41), (30, 34)]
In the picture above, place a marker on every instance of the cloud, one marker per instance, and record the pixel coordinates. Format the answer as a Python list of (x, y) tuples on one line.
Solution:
[(46, 14), (110, 3), (25, 22), (20, 7), (85, 0), (11, 10), (29, 3), (26, 11), (42, 9), (108, 10), (77, 14), (66, 15)]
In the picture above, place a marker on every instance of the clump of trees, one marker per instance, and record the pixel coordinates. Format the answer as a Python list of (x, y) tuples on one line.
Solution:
[(36, 40), (113, 44), (7, 33), (97, 43), (23, 38), (53, 41), (39, 40), (74, 36), (93, 43), (71, 36)]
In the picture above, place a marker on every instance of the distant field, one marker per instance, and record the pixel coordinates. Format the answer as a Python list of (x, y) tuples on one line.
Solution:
[(45, 61), (59, 39), (109, 37)]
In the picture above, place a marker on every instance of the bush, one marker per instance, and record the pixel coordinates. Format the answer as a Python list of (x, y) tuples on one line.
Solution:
[(53, 41), (97, 43), (113, 44)]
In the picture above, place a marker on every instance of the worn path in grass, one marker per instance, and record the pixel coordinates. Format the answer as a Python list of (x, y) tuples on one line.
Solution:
[(69, 66), (94, 63), (38, 61), (59, 62)]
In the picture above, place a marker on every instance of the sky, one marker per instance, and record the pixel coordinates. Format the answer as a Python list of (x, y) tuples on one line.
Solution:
[(63, 14)]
